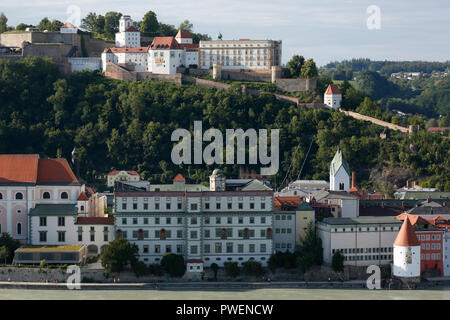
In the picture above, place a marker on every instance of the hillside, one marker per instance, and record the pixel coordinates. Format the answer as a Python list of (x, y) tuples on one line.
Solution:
[(128, 125)]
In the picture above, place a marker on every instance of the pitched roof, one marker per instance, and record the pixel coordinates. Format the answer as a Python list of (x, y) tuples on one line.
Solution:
[(183, 34), (333, 89), (18, 168), (406, 236), (286, 201), (132, 29), (83, 197), (431, 129), (189, 46), (68, 25), (125, 49), (95, 220), (54, 210), (131, 172), (179, 178), (164, 43), (413, 219), (56, 171), (338, 161)]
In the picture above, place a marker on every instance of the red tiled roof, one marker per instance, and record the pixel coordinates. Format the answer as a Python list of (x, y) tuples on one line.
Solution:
[(132, 29), (131, 50), (437, 128), (164, 43), (183, 34), (412, 218), (83, 197), (95, 220), (18, 168), (179, 178), (55, 171), (278, 202), (333, 89), (406, 236), (189, 46), (68, 25), (131, 172)]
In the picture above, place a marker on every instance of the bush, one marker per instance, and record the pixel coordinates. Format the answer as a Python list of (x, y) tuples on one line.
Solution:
[(215, 268), (253, 268), (43, 264), (337, 261), (232, 269), (173, 264), (140, 269), (156, 269)]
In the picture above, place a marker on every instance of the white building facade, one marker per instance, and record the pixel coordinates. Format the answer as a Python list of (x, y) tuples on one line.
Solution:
[(339, 173), (333, 97), (128, 35)]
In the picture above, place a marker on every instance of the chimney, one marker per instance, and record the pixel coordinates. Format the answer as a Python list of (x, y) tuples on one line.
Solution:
[(428, 199)]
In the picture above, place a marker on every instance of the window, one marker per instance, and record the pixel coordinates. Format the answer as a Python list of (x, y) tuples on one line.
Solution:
[(179, 220), (263, 220), (64, 195), (229, 220), (145, 220), (61, 221), (263, 205), (124, 220), (105, 237), (179, 248), (156, 220), (251, 248), (207, 206), (179, 206), (168, 220), (218, 247), (1, 196), (207, 233), (194, 249), (43, 221), (135, 221), (252, 219), (61, 236), (240, 205), (157, 248), (168, 248), (218, 220), (193, 206), (134, 206), (194, 220), (341, 186), (229, 205), (179, 234), (156, 206), (92, 237), (42, 236), (241, 220), (46, 195), (240, 248), (207, 248), (193, 234), (218, 206), (19, 196), (263, 247), (145, 249), (168, 206), (124, 206)]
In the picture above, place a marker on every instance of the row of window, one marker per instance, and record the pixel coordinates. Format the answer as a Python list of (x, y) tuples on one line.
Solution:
[(433, 256), (62, 236), (193, 206), (362, 250), (193, 220), (283, 245), (365, 229), (432, 246), (219, 233), (18, 228), (45, 195), (434, 237), (43, 221), (369, 257)]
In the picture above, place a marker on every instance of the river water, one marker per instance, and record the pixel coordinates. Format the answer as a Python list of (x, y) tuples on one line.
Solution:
[(442, 293)]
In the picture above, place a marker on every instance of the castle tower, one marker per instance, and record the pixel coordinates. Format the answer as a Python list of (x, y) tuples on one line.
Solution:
[(124, 23), (128, 35), (332, 97), (217, 181), (406, 263), (339, 173), (183, 37)]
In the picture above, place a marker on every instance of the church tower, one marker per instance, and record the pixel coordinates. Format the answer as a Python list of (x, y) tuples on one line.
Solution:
[(217, 181), (339, 173), (406, 259)]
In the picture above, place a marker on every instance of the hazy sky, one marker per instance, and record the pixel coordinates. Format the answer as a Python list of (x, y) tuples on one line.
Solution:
[(326, 30)]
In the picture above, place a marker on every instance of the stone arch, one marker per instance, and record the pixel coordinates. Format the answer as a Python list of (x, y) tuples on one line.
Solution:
[(92, 249), (46, 195)]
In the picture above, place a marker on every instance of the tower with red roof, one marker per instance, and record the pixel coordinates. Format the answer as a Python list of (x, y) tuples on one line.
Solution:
[(406, 263), (333, 97)]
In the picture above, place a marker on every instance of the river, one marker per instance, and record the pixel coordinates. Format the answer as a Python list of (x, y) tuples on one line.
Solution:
[(442, 293)]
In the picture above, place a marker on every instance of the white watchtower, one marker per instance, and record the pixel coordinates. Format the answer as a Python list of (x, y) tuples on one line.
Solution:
[(406, 259)]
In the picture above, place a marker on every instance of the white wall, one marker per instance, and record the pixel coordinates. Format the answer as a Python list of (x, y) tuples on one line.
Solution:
[(341, 176), (400, 266)]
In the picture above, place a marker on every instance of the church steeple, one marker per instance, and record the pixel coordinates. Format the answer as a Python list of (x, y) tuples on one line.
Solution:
[(339, 172)]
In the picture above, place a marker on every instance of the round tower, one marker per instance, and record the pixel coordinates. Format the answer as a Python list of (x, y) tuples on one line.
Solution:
[(406, 259)]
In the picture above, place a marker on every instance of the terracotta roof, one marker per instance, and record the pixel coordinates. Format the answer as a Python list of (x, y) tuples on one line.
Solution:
[(194, 261), (18, 168), (406, 236), (95, 220), (131, 50), (438, 128), (333, 89), (131, 172), (164, 43), (55, 171), (68, 25), (183, 34), (278, 202), (412, 218), (83, 197), (132, 29), (179, 178), (189, 46)]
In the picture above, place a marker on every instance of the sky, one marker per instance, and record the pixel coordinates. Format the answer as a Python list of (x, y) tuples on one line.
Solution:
[(325, 30)]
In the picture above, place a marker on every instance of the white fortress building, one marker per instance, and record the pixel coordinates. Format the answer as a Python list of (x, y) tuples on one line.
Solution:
[(163, 56), (259, 55), (339, 173), (406, 264), (333, 97)]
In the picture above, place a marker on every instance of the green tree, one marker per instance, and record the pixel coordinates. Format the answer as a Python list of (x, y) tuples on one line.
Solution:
[(337, 261), (112, 23), (3, 21), (55, 25), (173, 264), (22, 26), (43, 263), (118, 254), (215, 268), (45, 24), (94, 22), (167, 30), (294, 66), (4, 253), (253, 268), (309, 69), (11, 244), (232, 269), (149, 24), (352, 98), (311, 252), (186, 25), (140, 268)]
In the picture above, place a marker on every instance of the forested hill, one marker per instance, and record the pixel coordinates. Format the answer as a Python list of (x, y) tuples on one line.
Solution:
[(128, 125)]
